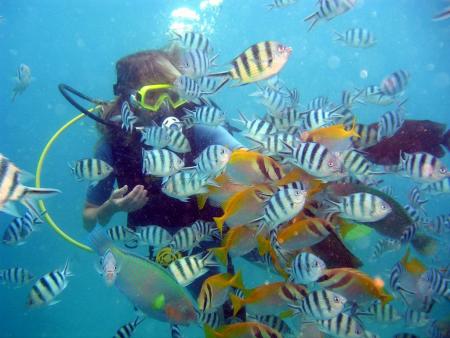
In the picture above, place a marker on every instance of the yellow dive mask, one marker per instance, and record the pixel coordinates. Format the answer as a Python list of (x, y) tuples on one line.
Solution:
[(151, 97)]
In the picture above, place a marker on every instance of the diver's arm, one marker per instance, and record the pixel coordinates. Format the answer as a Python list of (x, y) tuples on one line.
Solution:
[(119, 200)]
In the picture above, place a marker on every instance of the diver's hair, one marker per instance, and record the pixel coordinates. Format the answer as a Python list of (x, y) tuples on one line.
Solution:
[(148, 67)]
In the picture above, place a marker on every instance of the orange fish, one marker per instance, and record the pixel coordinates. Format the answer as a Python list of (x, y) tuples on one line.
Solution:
[(265, 247), (354, 285), (238, 241), (270, 299), (244, 206), (215, 289), (303, 233), (218, 195), (243, 330), (250, 167), (335, 137), (412, 265)]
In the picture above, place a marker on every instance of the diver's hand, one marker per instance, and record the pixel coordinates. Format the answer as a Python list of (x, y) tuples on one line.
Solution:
[(120, 200)]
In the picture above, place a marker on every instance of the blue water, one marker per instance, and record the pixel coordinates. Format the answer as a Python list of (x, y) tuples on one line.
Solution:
[(78, 42)]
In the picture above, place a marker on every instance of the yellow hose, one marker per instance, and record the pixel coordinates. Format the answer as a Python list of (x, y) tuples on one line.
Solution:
[(38, 185)]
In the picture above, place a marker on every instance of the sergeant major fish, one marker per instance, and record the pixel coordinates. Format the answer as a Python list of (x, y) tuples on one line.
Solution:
[(20, 229), (91, 169), (329, 9), (12, 190), (357, 37), (22, 81), (15, 276)]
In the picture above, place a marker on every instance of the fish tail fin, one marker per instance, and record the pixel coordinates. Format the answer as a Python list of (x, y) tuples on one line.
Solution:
[(237, 281), (219, 222), (66, 270), (201, 200), (40, 193), (208, 259), (226, 73), (221, 255), (237, 303), (352, 131), (313, 18), (210, 333), (338, 36), (100, 241)]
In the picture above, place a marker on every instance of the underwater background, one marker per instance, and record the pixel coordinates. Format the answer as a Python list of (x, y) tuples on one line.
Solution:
[(78, 43)]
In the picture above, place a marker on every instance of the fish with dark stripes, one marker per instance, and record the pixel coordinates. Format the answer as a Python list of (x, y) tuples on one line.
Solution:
[(320, 305), (15, 276), (329, 9), (443, 15), (395, 83), (187, 269), (423, 167), (306, 268), (196, 63), (12, 190), (91, 169), (194, 41), (127, 330), (259, 62), (357, 37), (342, 326), (20, 229), (155, 136), (257, 129), (160, 162), (48, 287), (153, 235)]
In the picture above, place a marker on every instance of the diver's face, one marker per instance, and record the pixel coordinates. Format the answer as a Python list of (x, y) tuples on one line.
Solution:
[(146, 117)]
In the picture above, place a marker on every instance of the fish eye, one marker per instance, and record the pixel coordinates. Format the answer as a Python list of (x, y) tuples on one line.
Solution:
[(443, 170), (330, 164), (336, 299), (357, 331)]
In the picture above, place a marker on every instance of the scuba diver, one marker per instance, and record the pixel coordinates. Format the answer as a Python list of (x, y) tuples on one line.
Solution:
[(140, 196)]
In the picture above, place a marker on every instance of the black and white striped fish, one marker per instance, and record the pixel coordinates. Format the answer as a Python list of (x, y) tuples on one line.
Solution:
[(207, 84), (212, 319), (178, 141), (212, 160), (319, 118), (257, 129), (349, 98), (316, 160), (175, 331), (389, 123), (15, 276), (329, 9), (368, 135), (320, 305), (274, 322), (284, 122), (187, 269), (435, 282), (342, 326), (423, 167), (188, 89), (281, 4), (184, 239), (277, 101), (186, 183), (395, 83), (282, 206), (408, 234), (383, 246), (439, 225), (356, 37), (127, 116), (306, 268), (274, 144), (437, 188), (317, 103), (156, 137), (415, 199), (362, 207), (12, 190), (207, 115), (48, 287), (373, 94), (205, 230), (356, 164), (415, 318), (20, 229), (383, 313), (119, 233), (196, 63), (153, 235), (160, 162), (194, 41), (127, 330), (91, 169)]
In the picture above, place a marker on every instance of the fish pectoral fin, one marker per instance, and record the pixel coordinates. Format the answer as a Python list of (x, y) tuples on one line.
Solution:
[(53, 302)]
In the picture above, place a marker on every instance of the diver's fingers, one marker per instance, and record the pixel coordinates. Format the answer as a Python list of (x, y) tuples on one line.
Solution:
[(119, 193)]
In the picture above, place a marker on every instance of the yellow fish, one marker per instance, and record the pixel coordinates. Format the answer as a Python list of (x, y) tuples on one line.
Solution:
[(354, 285), (217, 195), (270, 299), (412, 265), (334, 137), (238, 241), (243, 330), (304, 233), (249, 167), (215, 289), (244, 206)]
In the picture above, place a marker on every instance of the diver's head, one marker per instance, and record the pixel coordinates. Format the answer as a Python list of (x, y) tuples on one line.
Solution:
[(146, 80)]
